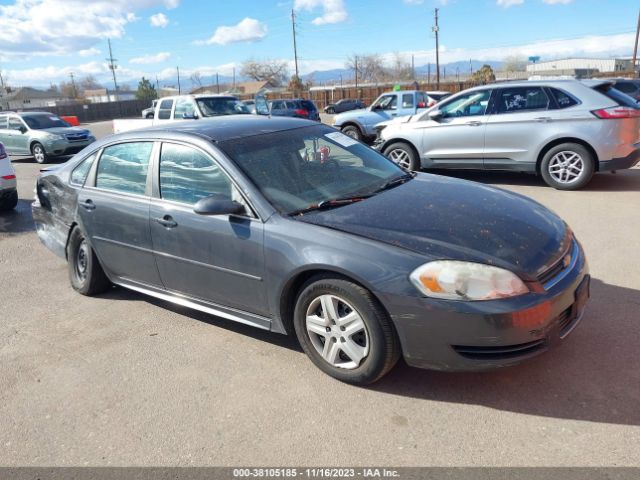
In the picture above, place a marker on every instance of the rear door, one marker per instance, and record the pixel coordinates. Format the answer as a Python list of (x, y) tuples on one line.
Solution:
[(521, 119), (407, 104), (113, 208), (165, 109), (218, 259)]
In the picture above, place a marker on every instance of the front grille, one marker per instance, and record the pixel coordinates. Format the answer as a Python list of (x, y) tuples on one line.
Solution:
[(564, 320), (560, 266), (77, 137), (500, 352)]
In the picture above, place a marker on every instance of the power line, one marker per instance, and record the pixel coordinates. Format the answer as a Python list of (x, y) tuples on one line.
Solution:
[(113, 66)]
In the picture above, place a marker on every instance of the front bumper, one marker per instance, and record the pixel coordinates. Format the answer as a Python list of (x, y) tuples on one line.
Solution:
[(466, 336), (620, 163), (64, 147)]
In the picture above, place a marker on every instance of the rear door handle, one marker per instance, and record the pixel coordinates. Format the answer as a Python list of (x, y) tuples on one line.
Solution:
[(474, 123), (167, 221), (88, 205), (543, 119)]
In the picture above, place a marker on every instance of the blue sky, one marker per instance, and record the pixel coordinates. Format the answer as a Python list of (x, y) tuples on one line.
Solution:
[(42, 41)]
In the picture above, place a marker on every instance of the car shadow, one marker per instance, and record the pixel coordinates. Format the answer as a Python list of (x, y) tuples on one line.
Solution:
[(593, 375), (50, 161), (18, 220), (621, 181)]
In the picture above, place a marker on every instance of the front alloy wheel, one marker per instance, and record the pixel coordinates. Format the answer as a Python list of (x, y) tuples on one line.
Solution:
[(39, 153)]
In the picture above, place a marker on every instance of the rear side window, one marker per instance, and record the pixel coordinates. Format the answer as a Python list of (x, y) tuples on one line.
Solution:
[(188, 175), (521, 99), (164, 113), (308, 105), (563, 99), (626, 87), (407, 100), (123, 167), (79, 174), (617, 96), (3, 122)]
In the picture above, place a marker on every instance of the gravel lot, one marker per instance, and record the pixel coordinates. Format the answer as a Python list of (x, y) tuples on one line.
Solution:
[(127, 380)]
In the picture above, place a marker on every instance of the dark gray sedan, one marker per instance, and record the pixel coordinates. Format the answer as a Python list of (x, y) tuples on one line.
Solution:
[(291, 226)]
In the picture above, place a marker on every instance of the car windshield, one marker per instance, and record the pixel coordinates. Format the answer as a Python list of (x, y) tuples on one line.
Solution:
[(312, 166), (215, 106), (40, 122)]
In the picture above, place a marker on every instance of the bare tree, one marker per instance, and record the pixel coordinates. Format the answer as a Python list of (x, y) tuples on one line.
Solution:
[(370, 68), (272, 71), (88, 83), (400, 69), (515, 63), (67, 90), (196, 79)]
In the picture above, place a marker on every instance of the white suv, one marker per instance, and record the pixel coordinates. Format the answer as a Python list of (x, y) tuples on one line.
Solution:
[(8, 190)]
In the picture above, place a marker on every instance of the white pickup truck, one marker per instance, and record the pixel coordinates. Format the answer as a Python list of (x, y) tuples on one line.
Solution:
[(185, 107)]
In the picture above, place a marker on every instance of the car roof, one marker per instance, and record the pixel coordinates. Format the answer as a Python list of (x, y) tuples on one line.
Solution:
[(219, 129), (31, 114)]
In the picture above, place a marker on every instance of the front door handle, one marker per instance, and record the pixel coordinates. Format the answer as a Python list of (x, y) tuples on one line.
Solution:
[(543, 119), (167, 221), (474, 123), (88, 204)]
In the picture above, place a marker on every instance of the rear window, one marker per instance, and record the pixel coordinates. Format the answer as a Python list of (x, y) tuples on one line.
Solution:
[(617, 96), (626, 87), (308, 105)]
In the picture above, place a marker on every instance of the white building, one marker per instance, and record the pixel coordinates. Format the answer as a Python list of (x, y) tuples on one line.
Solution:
[(577, 66), (102, 95)]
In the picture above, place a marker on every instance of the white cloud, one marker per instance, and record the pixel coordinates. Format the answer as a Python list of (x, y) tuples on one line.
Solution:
[(149, 59), (557, 2), (413, 2), (333, 11), (247, 30), (509, 3), (159, 20), (89, 52), (60, 27)]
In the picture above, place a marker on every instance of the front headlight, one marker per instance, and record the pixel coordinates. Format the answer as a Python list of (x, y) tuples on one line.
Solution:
[(54, 137), (455, 280)]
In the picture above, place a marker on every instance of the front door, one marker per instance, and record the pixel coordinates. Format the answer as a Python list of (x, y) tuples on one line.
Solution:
[(18, 138), (218, 259), (114, 212), (456, 139)]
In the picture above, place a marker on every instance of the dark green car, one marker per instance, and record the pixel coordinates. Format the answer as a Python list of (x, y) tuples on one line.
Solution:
[(41, 134)]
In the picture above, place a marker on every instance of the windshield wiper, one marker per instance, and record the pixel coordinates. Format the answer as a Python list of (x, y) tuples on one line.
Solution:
[(395, 182), (329, 203)]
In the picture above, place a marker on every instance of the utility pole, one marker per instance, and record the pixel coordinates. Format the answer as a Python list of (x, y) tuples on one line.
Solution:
[(179, 88), (413, 66), (217, 82), (295, 46), (113, 66), (73, 85), (436, 30), (635, 48), (157, 84), (429, 73), (356, 65), (234, 79)]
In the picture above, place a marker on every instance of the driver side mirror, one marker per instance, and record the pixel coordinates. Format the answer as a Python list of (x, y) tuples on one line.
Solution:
[(190, 116), (215, 205), (436, 115), (22, 129)]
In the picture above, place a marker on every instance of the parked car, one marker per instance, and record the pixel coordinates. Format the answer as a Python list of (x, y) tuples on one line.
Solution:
[(344, 105), (149, 112), (41, 134), (251, 105), (360, 124), (298, 108), (184, 107), (291, 226), (8, 185), (629, 86), (564, 130)]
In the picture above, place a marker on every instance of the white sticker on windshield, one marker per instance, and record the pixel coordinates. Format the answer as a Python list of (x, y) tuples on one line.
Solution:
[(53, 118), (341, 139)]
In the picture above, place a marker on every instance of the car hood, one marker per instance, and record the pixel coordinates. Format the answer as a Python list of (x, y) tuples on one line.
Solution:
[(446, 218), (65, 130)]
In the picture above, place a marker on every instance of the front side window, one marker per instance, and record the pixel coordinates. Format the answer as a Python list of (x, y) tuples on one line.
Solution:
[(184, 106), (521, 99), (386, 102), (79, 174), (188, 175), (468, 105), (299, 168), (15, 123), (164, 112), (123, 167), (216, 106)]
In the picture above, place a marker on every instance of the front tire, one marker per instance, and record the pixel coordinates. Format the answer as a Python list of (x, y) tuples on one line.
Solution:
[(568, 166), (353, 132), (345, 331), (403, 155), (85, 273), (39, 153)]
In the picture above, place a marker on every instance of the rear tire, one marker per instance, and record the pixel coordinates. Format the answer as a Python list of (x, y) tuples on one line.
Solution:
[(85, 272), (403, 155), (9, 202), (352, 131), (345, 331), (568, 166), (331, 111), (39, 153)]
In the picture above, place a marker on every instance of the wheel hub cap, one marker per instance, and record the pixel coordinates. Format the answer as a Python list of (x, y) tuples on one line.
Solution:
[(82, 260), (337, 331), (566, 167), (401, 158)]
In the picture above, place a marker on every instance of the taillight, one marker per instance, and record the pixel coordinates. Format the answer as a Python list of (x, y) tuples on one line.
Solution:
[(8, 177), (302, 112), (617, 112)]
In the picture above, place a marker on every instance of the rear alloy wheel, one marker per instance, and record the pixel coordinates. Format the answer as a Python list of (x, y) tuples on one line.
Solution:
[(85, 273), (344, 331), (38, 152), (568, 166), (403, 155), (352, 131)]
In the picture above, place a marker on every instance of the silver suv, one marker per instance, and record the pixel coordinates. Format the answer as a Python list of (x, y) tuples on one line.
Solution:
[(41, 134), (564, 130)]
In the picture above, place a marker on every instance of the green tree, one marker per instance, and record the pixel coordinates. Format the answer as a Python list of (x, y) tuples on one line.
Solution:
[(484, 75), (146, 91)]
